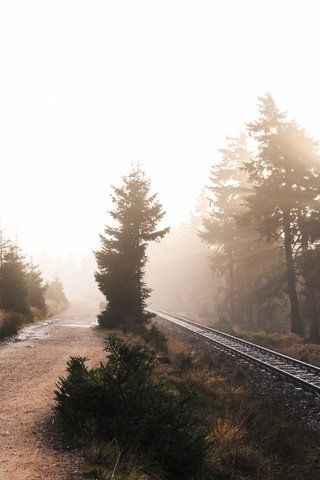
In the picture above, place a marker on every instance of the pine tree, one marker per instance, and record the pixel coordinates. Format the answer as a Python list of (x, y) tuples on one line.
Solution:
[(54, 292), (122, 258), (13, 282), (36, 288), (285, 185), (308, 228), (228, 185)]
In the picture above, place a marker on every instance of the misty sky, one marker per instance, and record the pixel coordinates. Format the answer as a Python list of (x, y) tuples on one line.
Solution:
[(87, 87)]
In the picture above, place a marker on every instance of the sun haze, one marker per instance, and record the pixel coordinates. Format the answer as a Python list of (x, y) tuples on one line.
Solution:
[(89, 87)]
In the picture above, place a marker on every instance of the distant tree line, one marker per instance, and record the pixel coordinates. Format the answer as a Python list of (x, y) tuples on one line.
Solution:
[(55, 297), (263, 224), (21, 283), (23, 293)]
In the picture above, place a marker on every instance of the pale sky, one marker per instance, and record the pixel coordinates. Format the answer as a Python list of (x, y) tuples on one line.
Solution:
[(87, 87)]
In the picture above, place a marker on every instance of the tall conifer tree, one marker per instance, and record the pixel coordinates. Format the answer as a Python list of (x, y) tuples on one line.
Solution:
[(36, 288), (285, 180), (228, 186), (13, 282), (122, 257)]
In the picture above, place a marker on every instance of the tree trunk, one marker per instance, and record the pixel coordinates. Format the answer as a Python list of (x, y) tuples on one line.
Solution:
[(138, 277), (310, 302), (296, 325), (248, 293), (231, 286), (313, 315)]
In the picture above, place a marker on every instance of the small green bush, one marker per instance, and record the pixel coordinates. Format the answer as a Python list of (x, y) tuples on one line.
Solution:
[(127, 400), (154, 337), (184, 361), (143, 328)]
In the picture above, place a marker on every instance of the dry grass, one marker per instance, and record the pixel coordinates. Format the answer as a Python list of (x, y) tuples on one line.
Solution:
[(306, 352), (250, 438), (10, 322), (226, 430), (111, 463), (286, 343)]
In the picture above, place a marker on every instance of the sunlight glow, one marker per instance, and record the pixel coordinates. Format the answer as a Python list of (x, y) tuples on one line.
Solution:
[(89, 87)]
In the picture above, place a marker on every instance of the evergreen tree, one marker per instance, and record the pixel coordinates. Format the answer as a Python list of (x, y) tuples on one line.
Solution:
[(13, 282), (122, 258), (55, 293), (308, 229), (309, 261), (36, 288), (228, 185), (285, 181)]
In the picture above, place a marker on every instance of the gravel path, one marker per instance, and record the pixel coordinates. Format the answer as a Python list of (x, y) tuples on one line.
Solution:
[(30, 366)]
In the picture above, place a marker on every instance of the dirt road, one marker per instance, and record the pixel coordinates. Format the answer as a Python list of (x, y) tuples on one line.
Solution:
[(30, 366)]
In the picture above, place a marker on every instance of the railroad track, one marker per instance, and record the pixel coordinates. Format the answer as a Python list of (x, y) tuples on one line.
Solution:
[(303, 374)]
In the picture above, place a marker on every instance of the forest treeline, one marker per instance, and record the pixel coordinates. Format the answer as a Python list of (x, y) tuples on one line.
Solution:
[(261, 226), (24, 296), (263, 222)]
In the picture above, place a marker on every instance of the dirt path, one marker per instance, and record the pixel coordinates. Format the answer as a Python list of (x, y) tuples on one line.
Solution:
[(29, 370)]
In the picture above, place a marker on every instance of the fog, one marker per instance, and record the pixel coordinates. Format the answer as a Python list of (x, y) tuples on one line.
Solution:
[(77, 277), (88, 88), (178, 271)]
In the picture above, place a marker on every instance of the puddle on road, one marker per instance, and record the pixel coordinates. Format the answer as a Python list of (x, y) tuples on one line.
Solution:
[(40, 331), (32, 332), (79, 325)]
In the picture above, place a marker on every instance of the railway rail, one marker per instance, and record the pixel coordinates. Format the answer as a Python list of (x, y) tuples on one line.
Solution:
[(295, 371)]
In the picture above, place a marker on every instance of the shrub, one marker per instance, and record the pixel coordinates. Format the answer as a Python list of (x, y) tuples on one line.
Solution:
[(127, 400), (184, 361), (154, 337), (143, 328)]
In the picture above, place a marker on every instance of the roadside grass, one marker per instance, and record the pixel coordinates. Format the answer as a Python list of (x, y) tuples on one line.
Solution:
[(306, 352), (11, 322), (286, 343), (109, 461), (249, 438)]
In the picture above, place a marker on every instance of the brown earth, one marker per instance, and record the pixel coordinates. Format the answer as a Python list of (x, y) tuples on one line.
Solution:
[(30, 366)]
